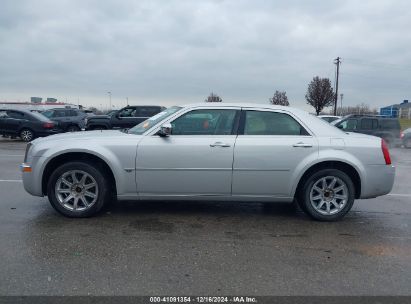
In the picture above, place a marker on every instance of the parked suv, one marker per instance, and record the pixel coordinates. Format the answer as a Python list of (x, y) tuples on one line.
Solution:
[(69, 119), (28, 125), (125, 118), (385, 127)]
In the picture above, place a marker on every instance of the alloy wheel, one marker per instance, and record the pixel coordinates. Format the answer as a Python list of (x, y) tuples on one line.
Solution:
[(329, 195), (76, 190), (26, 135)]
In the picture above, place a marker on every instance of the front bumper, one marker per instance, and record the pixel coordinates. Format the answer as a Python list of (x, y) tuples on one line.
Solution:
[(32, 177)]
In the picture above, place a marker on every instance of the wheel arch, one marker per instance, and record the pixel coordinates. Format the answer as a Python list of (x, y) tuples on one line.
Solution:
[(345, 167), (60, 159)]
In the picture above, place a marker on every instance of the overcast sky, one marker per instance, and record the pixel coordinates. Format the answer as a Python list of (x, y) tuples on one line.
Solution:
[(174, 52)]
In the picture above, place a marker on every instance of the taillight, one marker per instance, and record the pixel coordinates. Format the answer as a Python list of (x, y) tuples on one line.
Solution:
[(402, 135), (48, 125), (385, 152)]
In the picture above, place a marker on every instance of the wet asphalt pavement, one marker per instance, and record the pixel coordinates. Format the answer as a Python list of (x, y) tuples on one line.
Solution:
[(201, 248)]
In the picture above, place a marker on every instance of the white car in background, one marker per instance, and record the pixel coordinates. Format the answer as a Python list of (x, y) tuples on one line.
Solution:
[(212, 151)]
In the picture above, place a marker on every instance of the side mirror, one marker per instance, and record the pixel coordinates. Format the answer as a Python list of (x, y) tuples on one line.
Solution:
[(165, 130)]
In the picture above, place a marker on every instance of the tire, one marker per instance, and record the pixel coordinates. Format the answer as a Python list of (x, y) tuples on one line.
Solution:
[(323, 205), (87, 205), (73, 128), (26, 135)]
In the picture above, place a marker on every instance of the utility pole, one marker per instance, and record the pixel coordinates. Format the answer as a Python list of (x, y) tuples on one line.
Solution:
[(342, 96), (109, 95), (127, 101), (337, 61)]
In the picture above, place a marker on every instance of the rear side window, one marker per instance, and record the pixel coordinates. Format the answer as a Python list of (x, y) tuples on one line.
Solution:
[(72, 113), (16, 115), (389, 124), (369, 124), (147, 111), (271, 123)]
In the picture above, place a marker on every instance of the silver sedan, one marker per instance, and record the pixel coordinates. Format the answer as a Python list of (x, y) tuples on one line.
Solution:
[(221, 152)]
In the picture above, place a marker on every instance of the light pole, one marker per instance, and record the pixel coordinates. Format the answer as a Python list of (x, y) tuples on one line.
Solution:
[(109, 95)]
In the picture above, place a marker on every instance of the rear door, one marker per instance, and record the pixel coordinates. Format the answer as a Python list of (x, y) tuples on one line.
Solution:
[(14, 121), (269, 147)]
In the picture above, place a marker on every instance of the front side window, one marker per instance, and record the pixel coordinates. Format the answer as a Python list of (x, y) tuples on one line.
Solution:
[(127, 112), (205, 122), (271, 123), (349, 124), (152, 121)]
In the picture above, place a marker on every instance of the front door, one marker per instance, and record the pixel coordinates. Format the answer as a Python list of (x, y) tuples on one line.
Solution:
[(268, 150), (195, 160)]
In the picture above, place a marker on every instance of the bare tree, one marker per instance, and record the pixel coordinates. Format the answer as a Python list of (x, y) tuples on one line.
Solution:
[(280, 98), (213, 98), (320, 94)]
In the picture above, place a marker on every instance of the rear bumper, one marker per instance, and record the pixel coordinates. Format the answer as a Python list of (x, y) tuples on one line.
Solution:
[(378, 180)]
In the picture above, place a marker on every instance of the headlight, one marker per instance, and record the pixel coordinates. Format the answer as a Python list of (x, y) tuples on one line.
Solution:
[(27, 151)]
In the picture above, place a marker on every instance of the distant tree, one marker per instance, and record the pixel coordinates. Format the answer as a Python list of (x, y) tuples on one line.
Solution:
[(213, 98), (280, 98), (320, 94)]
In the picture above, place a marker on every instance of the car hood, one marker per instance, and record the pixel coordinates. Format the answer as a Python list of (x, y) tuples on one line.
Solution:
[(83, 135)]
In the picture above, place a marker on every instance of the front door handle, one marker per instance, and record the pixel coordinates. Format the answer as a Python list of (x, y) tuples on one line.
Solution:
[(302, 145), (220, 144)]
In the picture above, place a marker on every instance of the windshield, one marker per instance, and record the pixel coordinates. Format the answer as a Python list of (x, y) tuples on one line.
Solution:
[(152, 121)]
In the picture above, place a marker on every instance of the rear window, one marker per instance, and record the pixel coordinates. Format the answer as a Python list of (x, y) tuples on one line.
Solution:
[(38, 116)]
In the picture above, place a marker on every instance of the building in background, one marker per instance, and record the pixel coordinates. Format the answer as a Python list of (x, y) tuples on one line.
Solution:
[(36, 106), (396, 110), (36, 99)]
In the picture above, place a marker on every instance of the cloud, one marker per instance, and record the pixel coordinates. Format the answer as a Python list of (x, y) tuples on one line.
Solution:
[(171, 52)]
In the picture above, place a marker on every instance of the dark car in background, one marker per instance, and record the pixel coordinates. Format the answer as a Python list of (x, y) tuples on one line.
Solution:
[(68, 119), (25, 124), (387, 128), (406, 138), (124, 118)]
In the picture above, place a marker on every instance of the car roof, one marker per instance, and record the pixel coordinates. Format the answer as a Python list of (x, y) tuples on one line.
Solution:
[(18, 110)]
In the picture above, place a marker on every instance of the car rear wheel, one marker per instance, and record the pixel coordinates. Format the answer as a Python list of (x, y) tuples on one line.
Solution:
[(327, 195), (73, 129), (78, 189), (27, 135)]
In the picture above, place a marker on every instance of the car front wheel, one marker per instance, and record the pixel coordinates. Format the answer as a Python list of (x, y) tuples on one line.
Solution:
[(78, 189), (327, 195), (73, 129)]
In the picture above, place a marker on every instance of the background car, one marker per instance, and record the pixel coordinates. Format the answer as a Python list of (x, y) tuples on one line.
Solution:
[(25, 124), (68, 119), (386, 128), (125, 118), (406, 138), (329, 118)]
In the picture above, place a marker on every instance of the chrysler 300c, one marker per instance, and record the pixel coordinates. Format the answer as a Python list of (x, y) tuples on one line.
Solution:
[(236, 152)]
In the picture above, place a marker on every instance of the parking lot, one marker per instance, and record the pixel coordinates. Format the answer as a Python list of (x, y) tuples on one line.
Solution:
[(192, 248)]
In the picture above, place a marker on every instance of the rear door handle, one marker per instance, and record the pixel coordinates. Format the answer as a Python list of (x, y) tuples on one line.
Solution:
[(220, 144), (302, 145)]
